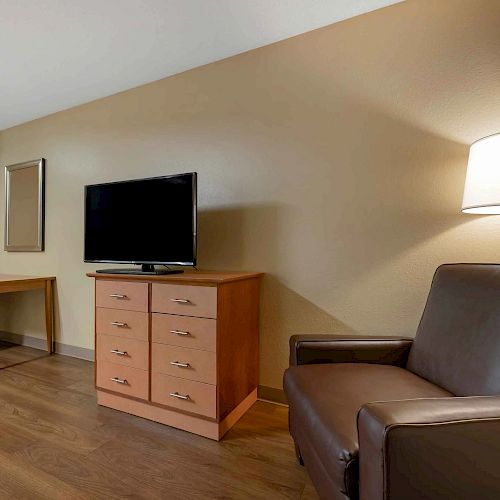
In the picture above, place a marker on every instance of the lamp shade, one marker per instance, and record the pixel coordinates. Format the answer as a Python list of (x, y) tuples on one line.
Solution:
[(482, 182)]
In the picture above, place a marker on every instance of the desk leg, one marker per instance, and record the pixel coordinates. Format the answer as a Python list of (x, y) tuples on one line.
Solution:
[(49, 315)]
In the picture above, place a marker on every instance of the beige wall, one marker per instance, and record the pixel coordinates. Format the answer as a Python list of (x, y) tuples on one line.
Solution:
[(334, 162)]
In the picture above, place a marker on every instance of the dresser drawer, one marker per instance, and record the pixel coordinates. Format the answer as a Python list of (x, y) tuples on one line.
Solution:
[(186, 300), (122, 295), (130, 381), (184, 331), (128, 352), (126, 324), (191, 364), (194, 397)]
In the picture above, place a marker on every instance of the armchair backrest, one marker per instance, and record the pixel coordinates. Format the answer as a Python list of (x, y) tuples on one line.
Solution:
[(457, 345)]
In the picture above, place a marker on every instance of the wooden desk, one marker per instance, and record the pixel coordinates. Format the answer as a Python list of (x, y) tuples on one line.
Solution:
[(18, 283)]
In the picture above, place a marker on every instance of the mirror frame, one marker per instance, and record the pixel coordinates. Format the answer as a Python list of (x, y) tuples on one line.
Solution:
[(39, 247)]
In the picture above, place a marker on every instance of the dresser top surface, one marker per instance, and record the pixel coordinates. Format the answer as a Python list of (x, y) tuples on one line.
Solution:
[(201, 277)]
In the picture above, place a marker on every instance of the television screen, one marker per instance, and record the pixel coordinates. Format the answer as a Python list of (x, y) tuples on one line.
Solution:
[(147, 221)]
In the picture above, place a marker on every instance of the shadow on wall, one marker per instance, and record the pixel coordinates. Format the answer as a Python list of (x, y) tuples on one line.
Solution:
[(284, 313), (251, 238), (242, 237)]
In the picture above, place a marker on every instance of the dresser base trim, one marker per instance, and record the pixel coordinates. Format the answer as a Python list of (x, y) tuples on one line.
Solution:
[(237, 413), (211, 430)]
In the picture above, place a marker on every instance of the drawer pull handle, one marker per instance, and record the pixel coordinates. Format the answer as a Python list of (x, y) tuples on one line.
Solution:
[(180, 365), (181, 301), (117, 323), (117, 296), (119, 353), (119, 380), (179, 396), (179, 332)]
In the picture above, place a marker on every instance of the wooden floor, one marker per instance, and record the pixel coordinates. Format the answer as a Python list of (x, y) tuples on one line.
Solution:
[(56, 443)]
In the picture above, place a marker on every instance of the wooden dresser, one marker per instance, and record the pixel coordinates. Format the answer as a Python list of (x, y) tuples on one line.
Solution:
[(179, 349)]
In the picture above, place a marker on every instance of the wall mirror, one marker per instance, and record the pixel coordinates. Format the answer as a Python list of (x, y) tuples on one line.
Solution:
[(24, 206)]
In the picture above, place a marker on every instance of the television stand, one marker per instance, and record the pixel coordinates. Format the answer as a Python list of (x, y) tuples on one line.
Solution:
[(148, 269), (182, 350)]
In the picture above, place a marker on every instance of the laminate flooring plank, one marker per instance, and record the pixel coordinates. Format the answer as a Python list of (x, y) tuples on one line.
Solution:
[(57, 443)]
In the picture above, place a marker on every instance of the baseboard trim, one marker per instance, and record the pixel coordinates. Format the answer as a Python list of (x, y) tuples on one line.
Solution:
[(36, 343), (272, 394), (74, 351)]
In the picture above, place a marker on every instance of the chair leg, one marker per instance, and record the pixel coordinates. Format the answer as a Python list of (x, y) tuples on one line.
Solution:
[(299, 456)]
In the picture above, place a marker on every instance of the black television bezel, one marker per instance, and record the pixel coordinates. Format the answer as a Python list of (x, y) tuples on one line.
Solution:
[(194, 176)]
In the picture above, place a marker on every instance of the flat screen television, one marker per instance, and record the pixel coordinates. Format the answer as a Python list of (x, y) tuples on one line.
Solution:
[(146, 221)]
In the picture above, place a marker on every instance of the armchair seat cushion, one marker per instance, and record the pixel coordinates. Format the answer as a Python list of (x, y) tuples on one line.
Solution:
[(324, 401)]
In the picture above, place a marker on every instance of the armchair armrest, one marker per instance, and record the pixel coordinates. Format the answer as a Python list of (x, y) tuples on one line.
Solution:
[(308, 349), (430, 448)]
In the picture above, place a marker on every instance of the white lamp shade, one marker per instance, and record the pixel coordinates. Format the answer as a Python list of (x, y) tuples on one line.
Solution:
[(482, 183)]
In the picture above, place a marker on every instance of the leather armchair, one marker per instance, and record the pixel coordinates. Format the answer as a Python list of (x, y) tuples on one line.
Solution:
[(388, 418), (430, 448)]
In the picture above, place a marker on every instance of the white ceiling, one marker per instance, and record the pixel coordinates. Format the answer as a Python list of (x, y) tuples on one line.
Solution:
[(55, 54)]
